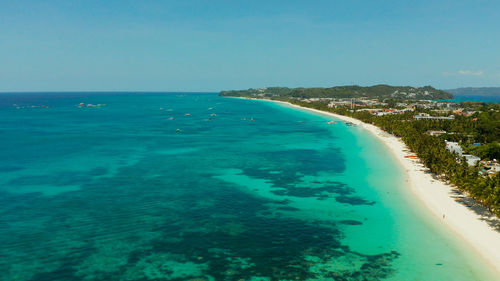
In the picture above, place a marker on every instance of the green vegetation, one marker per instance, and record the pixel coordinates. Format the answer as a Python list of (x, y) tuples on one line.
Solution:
[(486, 151), (476, 127), (377, 91)]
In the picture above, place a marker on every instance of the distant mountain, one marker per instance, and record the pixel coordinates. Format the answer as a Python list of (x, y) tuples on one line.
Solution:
[(377, 91), (482, 91)]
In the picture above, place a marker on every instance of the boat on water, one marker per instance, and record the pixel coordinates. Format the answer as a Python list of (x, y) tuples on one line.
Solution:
[(331, 122), (350, 123), (187, 114), (213, 114)]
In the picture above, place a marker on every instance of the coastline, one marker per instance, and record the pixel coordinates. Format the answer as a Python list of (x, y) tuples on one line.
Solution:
[(440, 198)]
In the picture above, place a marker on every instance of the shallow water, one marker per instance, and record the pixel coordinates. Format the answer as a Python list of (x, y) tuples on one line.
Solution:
[(119, 193)]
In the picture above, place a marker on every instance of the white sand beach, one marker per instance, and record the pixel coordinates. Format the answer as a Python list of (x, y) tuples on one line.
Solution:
[(440, 198)]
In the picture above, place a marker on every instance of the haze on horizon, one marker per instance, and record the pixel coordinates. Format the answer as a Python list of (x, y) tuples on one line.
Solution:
[(217, 45)]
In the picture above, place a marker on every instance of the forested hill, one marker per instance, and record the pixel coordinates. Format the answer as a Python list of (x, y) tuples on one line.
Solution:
[(483, 91), (377, 91)]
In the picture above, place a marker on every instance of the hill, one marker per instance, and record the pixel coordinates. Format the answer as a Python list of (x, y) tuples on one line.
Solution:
[(481, 91), (377, 91)]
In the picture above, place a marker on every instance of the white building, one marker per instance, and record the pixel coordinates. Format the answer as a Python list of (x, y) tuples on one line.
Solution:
[(454, 147), (471, 159), (435, 133), (425, 116)]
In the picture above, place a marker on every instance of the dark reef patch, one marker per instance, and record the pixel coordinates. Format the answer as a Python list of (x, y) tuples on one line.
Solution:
[(99, 171), (353, 200), (55, 179), (10, 168), (292, 190), (286, 208), (350, 222)]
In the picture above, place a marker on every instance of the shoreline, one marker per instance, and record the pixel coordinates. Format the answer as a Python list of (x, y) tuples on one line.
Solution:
[(438, 197)]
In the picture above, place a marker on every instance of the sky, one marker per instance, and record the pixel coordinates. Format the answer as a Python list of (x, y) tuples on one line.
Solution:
[(220, 45)]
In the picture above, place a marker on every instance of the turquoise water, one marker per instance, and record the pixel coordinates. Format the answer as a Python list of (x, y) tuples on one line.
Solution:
[(137, 190), (476, 98)]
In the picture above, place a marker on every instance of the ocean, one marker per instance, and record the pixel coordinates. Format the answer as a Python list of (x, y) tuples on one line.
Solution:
[(476, 98), (192, 186)]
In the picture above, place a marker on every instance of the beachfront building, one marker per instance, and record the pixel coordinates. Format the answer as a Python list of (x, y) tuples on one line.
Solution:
[(385, 111), (425, 116), (340, 103), (454, 147), (471, 159), (490, 167), (435, 133)]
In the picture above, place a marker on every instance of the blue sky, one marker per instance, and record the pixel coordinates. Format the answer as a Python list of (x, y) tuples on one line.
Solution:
[(216, 45)]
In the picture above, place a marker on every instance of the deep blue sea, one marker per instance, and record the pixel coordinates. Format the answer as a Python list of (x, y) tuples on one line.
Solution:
[(192, 186)]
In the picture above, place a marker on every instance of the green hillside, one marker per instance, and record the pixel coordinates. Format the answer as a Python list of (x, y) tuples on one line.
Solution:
[(377, 91)]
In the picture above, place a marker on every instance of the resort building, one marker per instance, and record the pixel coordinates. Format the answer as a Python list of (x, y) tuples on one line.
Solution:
[(435, 133), (423, 116), (454, 147), (490, 167), (471, 159)]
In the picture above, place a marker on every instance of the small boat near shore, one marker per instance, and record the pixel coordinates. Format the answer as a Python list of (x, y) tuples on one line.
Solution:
[(331, 122), (411, 156)]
